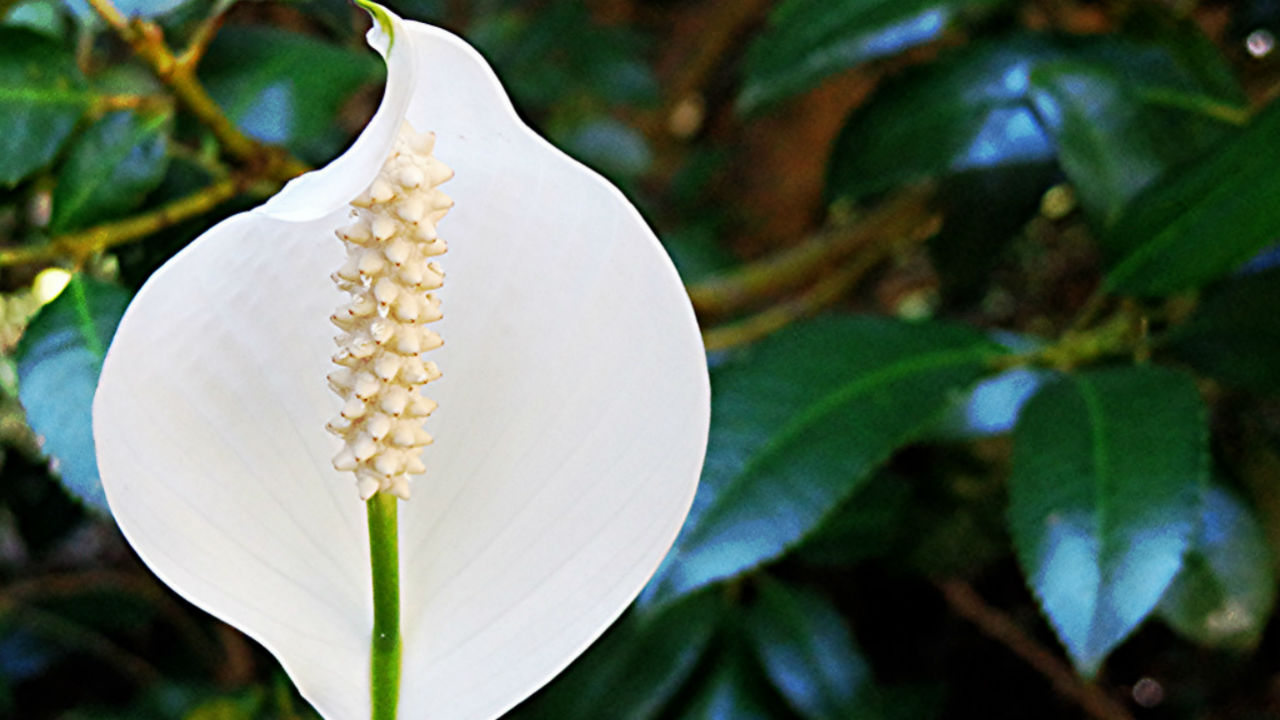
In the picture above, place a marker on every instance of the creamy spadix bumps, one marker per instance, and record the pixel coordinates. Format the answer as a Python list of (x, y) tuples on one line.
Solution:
[(390, 276)]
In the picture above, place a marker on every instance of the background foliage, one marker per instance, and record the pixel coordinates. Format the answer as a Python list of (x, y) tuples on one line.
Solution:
[(989, 289)]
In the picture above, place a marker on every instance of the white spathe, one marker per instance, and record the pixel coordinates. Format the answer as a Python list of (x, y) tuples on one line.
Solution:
[(570, 432)]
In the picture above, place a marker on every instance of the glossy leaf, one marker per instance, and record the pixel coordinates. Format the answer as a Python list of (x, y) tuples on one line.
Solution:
[(1107, 471), (976, 108), (635, 669), (110, 169), (59, 359), (799, 423), (967, 111), (1234, 334), (992, 406), (285, 88), (806, 649), (42, 95), (808, 40), (1199, 224), (1112, 140), (1227, 588)]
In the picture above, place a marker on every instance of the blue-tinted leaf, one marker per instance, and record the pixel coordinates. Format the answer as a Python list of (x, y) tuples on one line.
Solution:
[(973, 108), (59, 358), (1112, 141), (286, 88), (992, 406), (1227, 588), (807, 651), (807, 40), (42, 95), (1107, 471), (733, 691), (799, 422), (110, 169)]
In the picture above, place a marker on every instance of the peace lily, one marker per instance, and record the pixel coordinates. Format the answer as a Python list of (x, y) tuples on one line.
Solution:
[(571, 421)]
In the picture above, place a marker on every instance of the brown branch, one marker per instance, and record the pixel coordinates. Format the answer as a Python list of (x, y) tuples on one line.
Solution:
[(965, 602), (80, 245), (147, 40), (823, 293), (902, 214)]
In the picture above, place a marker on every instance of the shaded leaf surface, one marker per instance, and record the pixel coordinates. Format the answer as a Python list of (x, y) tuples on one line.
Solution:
[(807, 651), (634, 669), (42, 95), (1234, 334), (110, 169), (974, 109), (286, 88), (734, 691), (799, 422), (1112, 140), (1197, 225), (1227, 588), (59, 359), (808, 40), (1107, 471)]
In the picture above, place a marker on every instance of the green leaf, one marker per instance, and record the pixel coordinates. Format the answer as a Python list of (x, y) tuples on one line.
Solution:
[(42, 96), (798, 424), (1107, 471), (807, 651), (110, 169), (967, 111), (808, 40), (864, 527), (59, 358), (1234, 334), (286, 88), (1111, 141), (733, 691), (1227, 588), (634, 669), (977, 108), (1199, 224)]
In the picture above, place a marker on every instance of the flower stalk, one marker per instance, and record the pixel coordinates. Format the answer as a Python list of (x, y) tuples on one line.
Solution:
[(384, 556)]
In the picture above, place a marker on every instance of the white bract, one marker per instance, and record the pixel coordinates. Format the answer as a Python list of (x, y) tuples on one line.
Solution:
[(570, 430)]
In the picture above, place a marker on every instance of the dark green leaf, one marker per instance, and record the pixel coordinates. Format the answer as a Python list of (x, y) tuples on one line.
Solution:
[(110, 169), (807, 40), (865, 526), (807, 651), (634, 669), (732, 692), (1112, 141), (42, 95), (1107, 471), (1234, 334), (286, 88), (974, 108), (799, 422), (1199, 224), (59, 359), (1227, 588)]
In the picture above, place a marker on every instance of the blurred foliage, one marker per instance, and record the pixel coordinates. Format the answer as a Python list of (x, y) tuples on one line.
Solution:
[(1030, 438)]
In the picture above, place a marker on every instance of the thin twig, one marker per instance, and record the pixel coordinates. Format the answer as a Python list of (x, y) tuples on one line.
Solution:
[(147, 41), (965, 602), (201, 37), (80, 245), (823, 293), (902, 214)]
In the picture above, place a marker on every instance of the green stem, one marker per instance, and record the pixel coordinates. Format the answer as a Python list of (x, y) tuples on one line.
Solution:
[(384, 555)]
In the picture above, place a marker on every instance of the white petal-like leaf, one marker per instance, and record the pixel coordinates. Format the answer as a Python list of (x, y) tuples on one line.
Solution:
[(571, 426)]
